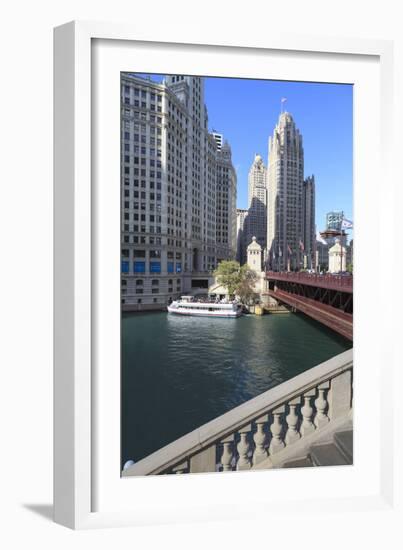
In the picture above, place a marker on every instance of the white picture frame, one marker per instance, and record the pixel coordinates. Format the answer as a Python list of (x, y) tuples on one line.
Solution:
[(87, 486)]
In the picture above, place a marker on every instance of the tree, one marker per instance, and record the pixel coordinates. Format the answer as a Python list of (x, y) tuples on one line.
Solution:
[(228, 274), (349, 268), (246, 287), (237, 280)]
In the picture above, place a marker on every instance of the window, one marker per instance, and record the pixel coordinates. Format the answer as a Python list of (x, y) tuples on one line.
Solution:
[(139, 267), (139, 291), (155, 253), (154, 291), (139, 253), (155, 267), (155, 282), (125, 267), (170, 268), (139, 282), (178, 267)]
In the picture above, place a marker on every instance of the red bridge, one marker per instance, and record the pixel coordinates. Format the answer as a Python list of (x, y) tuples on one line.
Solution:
[(325, 298)]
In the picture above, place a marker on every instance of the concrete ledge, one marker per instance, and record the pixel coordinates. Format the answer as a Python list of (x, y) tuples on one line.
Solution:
[(230, 422)]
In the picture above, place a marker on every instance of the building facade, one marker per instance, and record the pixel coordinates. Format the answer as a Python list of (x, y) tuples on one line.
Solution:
[(168, 190), (285, 196), (256, 224), (226, 194), (334, 219), (241, 218), (219, 139), (308, 223), (337, 258), (322, 255)]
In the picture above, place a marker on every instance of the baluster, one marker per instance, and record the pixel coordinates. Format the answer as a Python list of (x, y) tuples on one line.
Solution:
[(276, 429), (260, 439), (181, 468), (307, 425), (292, 420), (321, 404), (243, 448), (227, 453)]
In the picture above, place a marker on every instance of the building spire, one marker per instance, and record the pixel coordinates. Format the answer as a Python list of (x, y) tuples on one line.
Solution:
[(283, 100)]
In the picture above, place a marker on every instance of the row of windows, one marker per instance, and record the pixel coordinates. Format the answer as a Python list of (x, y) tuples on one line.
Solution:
[(154, 282), (154, 267), (137, 92), (153, 253)]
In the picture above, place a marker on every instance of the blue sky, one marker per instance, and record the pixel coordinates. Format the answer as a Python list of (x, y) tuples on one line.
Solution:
[(246, 112)]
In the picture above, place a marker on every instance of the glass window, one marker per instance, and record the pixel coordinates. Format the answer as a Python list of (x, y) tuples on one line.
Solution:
[(155, 267), (125, 267), (170, 267), (139, 267), (178, 267)]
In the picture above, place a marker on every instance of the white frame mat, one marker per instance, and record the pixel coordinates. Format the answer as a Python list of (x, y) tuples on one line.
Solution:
[(88, 489)]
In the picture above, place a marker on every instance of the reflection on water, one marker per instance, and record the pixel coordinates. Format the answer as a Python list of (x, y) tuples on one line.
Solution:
[(180, 372)]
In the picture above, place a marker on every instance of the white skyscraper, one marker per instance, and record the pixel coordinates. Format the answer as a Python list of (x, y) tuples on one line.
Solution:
[(219, 139), (256, 221), (169, 166), (241, 215), (226, 193), (285, 196)]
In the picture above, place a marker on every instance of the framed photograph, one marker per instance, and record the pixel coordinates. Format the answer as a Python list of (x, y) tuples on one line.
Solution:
[(218, 216)]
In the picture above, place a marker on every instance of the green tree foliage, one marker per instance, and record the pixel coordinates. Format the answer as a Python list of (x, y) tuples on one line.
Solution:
[(237, 280), (246, 288), (228, 274)]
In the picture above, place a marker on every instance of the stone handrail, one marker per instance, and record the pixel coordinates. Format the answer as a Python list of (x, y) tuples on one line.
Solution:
[(248, 434)]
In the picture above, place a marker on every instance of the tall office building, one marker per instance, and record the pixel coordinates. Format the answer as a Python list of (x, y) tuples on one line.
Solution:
[(169, 185), (256, 223), (334, 219), (226, 193), (308, 222), (333, 224), (219, 139), (241, 217), (285, 195)]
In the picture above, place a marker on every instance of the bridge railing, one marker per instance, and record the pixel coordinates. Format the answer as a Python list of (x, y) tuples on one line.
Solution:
[(327, 279), (265, 425)]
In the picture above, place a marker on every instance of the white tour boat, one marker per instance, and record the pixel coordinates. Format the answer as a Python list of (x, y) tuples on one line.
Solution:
[(186, 306)]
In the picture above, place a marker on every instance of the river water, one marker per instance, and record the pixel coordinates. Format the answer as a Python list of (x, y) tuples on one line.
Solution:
[(180, 372)]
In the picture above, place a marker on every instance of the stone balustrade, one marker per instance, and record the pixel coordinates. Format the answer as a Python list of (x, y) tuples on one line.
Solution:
[(263, 427)]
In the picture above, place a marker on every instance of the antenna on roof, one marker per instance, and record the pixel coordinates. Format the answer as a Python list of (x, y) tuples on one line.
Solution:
[(283, 100)]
